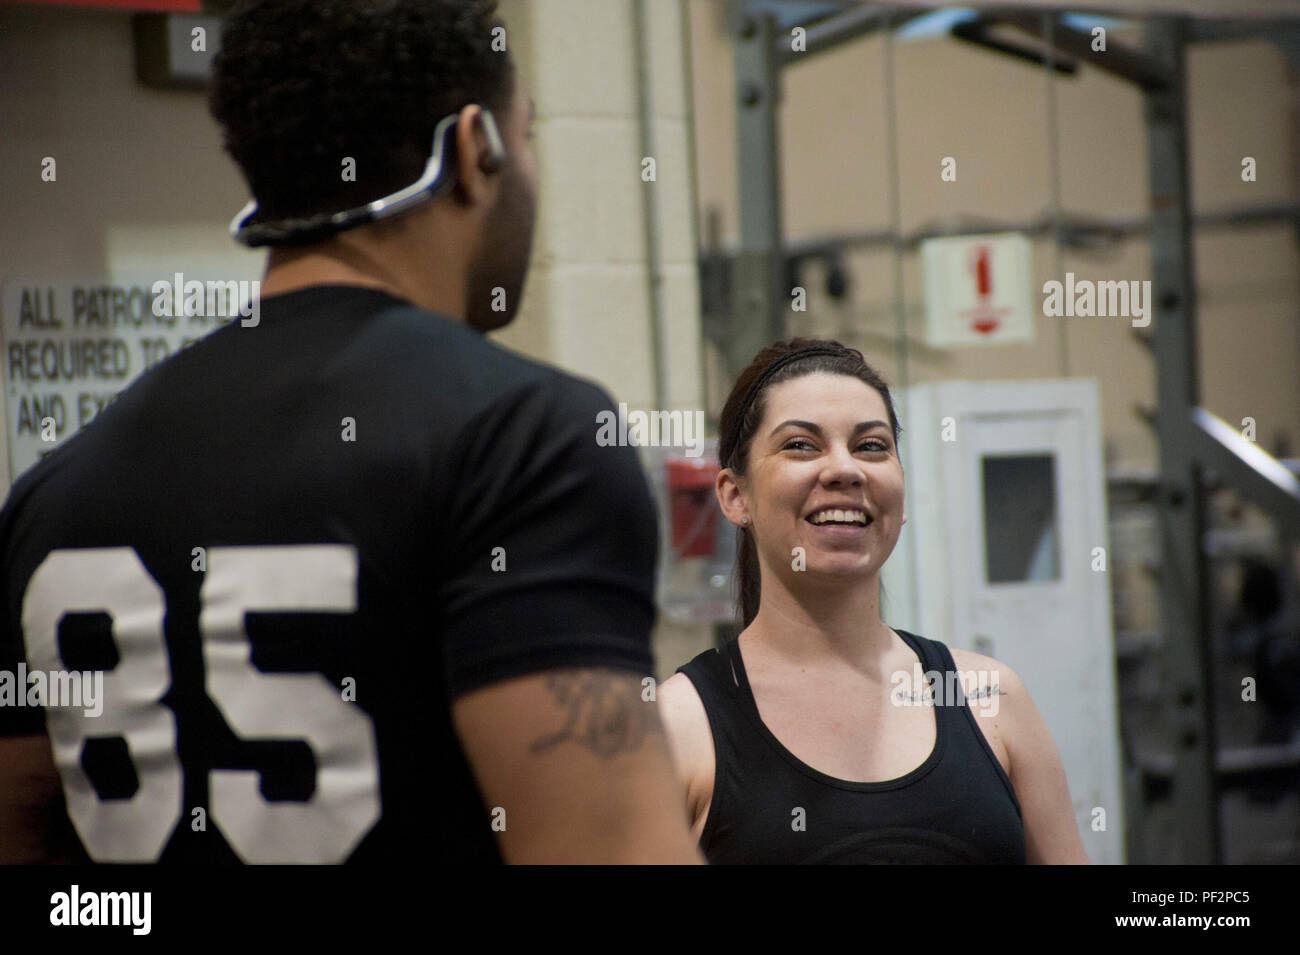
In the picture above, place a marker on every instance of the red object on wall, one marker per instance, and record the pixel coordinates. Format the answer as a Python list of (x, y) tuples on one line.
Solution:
[(154, 6), (983, 273), (694, 506), (983, 269)]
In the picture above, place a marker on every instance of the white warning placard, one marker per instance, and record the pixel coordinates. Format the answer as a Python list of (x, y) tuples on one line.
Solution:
[(71, 346), (978, 290)]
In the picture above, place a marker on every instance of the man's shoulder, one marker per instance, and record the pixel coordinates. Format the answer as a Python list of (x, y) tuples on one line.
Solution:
[(423, 346)]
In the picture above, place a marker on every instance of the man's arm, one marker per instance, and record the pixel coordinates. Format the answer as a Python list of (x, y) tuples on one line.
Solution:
[(579, 763), (545, 652), (34, 827)]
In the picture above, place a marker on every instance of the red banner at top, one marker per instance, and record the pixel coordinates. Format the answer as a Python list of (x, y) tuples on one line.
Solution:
[(156, 6)]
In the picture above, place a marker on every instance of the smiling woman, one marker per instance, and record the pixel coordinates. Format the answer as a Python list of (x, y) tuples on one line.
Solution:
[(793, 744), (833, 368)]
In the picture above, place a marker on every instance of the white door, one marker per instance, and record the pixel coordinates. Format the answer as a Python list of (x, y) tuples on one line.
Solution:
[(1008, 512), (1032, 534)]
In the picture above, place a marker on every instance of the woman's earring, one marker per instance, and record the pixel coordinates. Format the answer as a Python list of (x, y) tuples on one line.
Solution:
[(744, 521)]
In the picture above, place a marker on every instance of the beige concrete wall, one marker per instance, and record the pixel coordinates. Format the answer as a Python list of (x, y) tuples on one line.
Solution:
[(588, 306), (990, 112)]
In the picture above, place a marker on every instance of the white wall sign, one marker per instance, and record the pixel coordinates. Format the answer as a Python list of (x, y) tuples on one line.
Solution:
[(70, 346), (978, 290)]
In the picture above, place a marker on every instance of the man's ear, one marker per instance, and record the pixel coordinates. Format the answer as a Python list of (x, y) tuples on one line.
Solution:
[(472, 147), (494, 155), (731, 498)]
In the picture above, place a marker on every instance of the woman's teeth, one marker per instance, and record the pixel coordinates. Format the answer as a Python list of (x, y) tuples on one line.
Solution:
[(840, 517)]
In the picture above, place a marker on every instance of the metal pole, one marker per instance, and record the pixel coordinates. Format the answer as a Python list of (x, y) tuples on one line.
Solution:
[(757, 312), (650, 204), (1183, 578), (903, 370), (842, 28), (1054, 184)]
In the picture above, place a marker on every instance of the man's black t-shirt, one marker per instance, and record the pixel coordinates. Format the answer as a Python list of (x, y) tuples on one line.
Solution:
[(287, 549)]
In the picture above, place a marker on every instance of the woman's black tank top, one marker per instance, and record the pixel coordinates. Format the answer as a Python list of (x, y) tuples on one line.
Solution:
[(956, 807)]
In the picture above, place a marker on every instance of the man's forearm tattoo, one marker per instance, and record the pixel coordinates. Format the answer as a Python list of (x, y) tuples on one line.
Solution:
[(603, 711)]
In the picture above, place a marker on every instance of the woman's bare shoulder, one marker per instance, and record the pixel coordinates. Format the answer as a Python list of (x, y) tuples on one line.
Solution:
[(970, 660), (986, 675), (690, 740), (682, 711)]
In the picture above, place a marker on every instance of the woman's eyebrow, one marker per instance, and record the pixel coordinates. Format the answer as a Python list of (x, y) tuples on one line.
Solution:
[(816, 429), (795, 423), (868, 425)]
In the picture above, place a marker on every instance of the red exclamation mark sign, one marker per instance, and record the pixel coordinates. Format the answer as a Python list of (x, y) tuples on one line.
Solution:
[(983, 270)]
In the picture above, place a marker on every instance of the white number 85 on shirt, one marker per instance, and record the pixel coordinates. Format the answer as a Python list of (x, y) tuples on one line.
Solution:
[(315, 577)]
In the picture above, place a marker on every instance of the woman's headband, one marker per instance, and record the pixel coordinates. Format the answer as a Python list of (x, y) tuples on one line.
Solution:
[(762, 380)]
